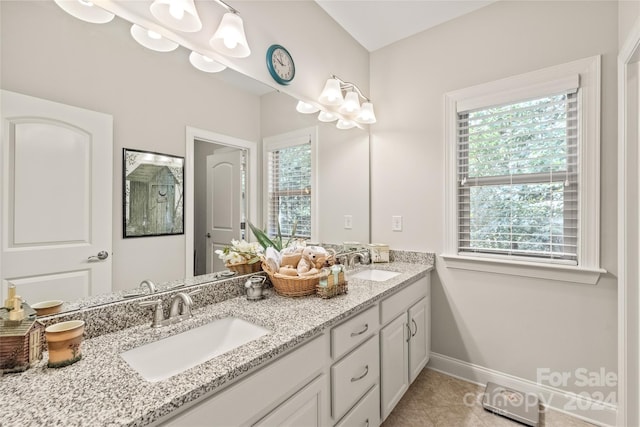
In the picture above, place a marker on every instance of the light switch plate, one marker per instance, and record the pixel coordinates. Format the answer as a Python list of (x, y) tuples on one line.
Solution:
[(348, 222), (396, 223)]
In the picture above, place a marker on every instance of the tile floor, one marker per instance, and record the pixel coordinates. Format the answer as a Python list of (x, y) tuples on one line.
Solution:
[(438, 400)]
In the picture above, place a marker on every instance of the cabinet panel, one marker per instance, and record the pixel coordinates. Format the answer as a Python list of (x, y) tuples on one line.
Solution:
[(418, 324), (349, 334), (394, 369), (245, 401), (303, 409), (353, 376), (366, 413), (399, 302)]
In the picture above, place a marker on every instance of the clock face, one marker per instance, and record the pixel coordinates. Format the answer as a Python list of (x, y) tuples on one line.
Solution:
[(280, 64)]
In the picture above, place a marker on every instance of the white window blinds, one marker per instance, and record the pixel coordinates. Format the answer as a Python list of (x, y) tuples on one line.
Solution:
[(517, 185), (289, 189)]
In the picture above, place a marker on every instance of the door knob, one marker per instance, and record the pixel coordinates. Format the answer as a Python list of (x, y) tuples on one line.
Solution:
[(208, 235), (102, 255)]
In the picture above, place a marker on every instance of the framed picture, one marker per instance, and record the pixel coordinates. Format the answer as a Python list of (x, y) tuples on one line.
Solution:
[(153, 194)]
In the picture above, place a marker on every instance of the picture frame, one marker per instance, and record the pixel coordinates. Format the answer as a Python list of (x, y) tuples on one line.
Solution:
[(152, 194)]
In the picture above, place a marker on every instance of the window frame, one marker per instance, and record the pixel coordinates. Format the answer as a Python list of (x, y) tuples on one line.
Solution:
[(586, 74), (290, 139)]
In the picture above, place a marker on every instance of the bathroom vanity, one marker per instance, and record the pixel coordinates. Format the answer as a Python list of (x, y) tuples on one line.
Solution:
[(324, 362)]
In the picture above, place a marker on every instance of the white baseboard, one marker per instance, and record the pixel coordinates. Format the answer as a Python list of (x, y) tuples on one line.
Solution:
[(587, 409)]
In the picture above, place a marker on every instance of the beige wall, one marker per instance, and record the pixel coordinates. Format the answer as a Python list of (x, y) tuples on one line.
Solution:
[(509, 324), (628, 14)]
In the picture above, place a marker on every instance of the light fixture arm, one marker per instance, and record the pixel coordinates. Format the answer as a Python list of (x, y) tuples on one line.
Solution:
[(226, 6), (347, 85)]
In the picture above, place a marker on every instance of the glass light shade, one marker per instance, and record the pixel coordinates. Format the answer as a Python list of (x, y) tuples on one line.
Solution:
[(366, 114), (351, 104), (326, 116), (86, 11), (306, 108), (204, 63), (229, 38), (152, 40), (331, 94), (345, 124), (180, 15)]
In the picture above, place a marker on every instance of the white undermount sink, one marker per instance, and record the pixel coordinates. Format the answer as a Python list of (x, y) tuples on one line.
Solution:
[(375, 275), (162, 359)]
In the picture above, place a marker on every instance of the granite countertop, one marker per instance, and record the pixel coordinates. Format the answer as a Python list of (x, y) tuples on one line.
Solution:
[(102, 389)]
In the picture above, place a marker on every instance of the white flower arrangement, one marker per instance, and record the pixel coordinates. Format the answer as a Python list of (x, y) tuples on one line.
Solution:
[(240, 252)]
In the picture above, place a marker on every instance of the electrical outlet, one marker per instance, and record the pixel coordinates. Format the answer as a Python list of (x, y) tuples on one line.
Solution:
[(396, 223), (348, 222)]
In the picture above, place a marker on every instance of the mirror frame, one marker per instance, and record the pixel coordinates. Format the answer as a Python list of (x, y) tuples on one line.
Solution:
[(193, 134)]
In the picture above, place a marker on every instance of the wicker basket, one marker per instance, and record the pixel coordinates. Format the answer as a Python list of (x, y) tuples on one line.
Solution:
[(291, 286), (326, 292), (244, 268)]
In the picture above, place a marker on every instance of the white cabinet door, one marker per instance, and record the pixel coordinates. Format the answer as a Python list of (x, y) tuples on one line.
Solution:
[(394, 368), (418, 344), (303, 409)]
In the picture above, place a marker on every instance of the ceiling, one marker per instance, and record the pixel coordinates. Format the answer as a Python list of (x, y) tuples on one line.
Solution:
[(378, 23)]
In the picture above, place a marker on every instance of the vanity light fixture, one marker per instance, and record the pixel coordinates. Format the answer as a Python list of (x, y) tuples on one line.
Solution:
[(327, 117), (179, 15), (306, 108), (229, 39), (204, 63), (85, 11), (345, 124), (152, 40), (346, 97)]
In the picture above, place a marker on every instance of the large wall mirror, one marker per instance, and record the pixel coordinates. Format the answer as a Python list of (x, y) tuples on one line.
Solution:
[(154, 99)]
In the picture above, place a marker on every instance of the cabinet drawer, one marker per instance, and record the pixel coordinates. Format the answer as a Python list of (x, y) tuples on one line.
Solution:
[(353, 376), (400, 301), (366, 413), (348, 335)]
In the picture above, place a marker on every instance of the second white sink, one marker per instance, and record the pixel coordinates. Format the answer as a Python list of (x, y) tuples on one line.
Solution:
[(376, 275), (162, 359)]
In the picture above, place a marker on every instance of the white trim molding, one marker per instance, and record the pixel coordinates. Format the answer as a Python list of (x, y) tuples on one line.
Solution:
[(585, 71), (628, 230), (579, 406), (191, 135)]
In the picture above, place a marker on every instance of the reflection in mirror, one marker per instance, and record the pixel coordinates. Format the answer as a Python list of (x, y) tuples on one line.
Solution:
[(152, 98), (220, 204), (152, 194)]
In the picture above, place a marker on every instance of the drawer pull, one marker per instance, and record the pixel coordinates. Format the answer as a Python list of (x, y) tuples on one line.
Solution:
[(416, 325), (366, 422), (366, 371), (365, 329)]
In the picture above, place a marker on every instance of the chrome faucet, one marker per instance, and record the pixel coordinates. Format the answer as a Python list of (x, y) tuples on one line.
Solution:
[(364, 259), (149, 284), (180, 305), (180, 309)]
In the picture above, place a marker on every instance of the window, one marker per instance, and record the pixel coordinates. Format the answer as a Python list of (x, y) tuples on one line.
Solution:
[(289, 195), (518, 178), (522, 174)]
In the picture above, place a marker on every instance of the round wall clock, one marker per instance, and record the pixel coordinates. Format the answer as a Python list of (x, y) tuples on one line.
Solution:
[(280, 64)]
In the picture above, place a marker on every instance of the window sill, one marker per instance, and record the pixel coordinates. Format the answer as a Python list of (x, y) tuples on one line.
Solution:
[(556, 272)]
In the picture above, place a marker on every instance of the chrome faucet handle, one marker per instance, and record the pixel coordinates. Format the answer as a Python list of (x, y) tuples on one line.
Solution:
[(158, 315)]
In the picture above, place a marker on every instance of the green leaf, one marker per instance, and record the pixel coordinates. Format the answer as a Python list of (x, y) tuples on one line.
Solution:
[(262, 237)]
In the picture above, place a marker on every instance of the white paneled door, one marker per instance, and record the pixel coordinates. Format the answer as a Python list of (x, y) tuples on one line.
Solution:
[(57, 167), (224, 198)]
